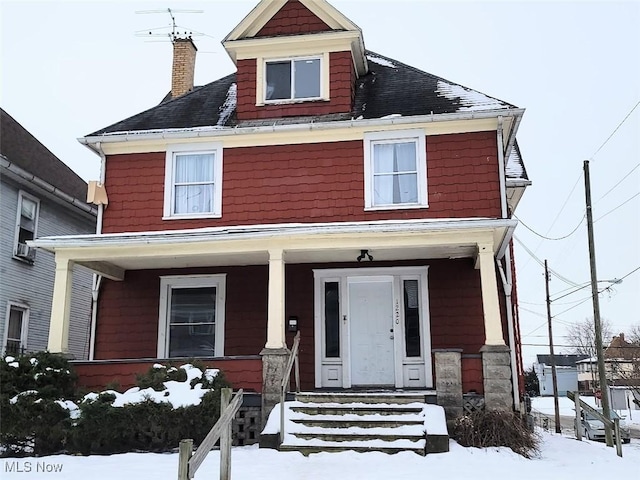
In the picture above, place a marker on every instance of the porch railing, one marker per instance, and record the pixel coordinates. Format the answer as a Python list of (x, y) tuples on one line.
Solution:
[(189, 463), (293, 360)]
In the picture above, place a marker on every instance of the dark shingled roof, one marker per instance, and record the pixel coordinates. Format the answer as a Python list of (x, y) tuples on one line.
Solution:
[(21, 148), (390, 88)]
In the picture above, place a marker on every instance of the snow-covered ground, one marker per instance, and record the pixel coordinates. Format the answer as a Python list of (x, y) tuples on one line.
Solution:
[(560, 457), (545, 405)]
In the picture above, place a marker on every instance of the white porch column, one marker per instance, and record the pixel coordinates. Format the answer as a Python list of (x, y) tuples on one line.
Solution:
[(61, 306), (275, 317), (490, 303)]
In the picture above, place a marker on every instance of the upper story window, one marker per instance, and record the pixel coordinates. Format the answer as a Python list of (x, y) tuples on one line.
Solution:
[(395, 170), (293, 79), (26, 226), (193, 181)]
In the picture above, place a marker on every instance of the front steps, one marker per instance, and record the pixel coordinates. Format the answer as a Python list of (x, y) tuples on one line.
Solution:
[(363, 422)]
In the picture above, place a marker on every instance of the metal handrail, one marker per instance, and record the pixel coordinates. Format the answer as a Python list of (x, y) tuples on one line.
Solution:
[(293, 360)]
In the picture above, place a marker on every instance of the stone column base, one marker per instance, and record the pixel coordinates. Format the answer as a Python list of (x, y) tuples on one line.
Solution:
[(496, 370), (274, 362), (448, 365)]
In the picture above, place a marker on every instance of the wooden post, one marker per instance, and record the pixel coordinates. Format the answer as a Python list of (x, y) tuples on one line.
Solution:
[(225, 437), (186, 448), (616, 431), (576, 401)]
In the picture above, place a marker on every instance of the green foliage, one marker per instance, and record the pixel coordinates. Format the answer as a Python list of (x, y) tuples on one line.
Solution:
[(531, 383), (496, 428), (37, 424)]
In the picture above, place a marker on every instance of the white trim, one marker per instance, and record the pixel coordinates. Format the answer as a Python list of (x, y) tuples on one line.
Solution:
[(214, 148), (24, 331), (261, 79), (21, 196), (396, 275), (167, 283), (374, 138)]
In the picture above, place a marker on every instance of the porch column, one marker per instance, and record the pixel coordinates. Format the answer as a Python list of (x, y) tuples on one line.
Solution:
[(275, 353), (490, 303), (61, 306), (496, 361)]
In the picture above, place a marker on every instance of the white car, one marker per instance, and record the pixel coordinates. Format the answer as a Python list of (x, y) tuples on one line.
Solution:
[(593, 428)]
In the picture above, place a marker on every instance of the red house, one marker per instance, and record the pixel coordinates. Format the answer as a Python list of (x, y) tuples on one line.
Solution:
[(322, 188)]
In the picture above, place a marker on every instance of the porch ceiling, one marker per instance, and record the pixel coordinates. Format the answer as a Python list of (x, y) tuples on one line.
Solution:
[(111, 255)]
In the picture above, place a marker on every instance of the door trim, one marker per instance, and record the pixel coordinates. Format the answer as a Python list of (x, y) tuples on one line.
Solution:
[(404, 366)]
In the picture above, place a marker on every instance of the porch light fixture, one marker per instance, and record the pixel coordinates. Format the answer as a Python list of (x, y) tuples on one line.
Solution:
[(364, 254)]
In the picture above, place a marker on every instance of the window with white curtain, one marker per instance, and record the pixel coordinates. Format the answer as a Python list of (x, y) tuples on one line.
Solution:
[(193, 181), (395, 169)]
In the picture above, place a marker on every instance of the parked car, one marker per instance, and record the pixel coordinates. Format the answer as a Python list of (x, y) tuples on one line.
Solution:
[(593, 428)]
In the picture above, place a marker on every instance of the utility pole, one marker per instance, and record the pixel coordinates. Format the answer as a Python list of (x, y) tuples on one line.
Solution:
[(602, 374), (552, 357)]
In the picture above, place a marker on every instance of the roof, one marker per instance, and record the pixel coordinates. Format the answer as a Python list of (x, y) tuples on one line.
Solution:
[(391, 88), (22, 149), (515, 170), (566, 360)]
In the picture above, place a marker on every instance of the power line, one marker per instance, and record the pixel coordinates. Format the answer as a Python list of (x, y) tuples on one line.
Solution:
[(621, 180), (614, 209), (549, 238), (541, 263), (616, 129)]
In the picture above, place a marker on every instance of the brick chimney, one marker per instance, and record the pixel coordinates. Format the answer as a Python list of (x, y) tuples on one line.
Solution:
[(184, 65)]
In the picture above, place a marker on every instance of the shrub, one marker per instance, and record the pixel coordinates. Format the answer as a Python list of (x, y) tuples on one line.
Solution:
[(496, 428)]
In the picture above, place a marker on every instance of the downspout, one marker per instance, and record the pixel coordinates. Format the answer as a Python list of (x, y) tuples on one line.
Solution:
[(507, 280), (97, 279)]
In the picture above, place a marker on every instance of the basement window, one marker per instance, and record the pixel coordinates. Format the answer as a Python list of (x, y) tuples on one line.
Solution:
[(293, 79)]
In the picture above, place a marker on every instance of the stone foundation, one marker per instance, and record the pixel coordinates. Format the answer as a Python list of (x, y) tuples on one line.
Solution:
[(496, 370), (274, 362), (448, 366)]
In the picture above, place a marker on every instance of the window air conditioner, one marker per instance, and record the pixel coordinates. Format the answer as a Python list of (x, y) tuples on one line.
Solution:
[(24, 251)]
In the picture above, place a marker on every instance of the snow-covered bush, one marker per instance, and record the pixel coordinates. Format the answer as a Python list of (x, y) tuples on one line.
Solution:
[(42, 412)]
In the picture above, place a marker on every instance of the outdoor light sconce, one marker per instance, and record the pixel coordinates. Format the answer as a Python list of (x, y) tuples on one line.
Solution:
[(363, 254), (292, 324)]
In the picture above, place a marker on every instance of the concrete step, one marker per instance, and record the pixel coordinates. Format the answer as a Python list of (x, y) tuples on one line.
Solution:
[(309, 449), (368, 423), (351, 437), (357, 409), (390, 397)]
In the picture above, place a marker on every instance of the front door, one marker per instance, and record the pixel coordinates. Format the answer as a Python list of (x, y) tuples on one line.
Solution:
[(371, 335)]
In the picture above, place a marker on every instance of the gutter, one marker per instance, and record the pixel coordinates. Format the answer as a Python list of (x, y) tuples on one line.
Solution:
[(55, 191), (97, 279), (501, 169), (214, 131)]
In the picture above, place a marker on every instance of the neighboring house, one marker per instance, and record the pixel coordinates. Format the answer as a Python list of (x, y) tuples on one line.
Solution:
[(40, 197), (566, 373), (621, 365), (322, 188)]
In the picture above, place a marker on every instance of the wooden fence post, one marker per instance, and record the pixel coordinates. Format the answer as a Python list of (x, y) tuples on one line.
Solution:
[(225, 437), (186, 449), (576, 400)]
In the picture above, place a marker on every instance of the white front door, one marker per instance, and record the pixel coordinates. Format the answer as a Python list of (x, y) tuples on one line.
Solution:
[(370, 319)]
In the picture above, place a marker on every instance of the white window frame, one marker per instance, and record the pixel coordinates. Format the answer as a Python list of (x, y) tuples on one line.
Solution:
[(261, 94), (395, 136), (214, 148), (168, 283), (24, 327), (21, 196)]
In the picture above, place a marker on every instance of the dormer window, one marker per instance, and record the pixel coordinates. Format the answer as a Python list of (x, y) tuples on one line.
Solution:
[(293, 79)]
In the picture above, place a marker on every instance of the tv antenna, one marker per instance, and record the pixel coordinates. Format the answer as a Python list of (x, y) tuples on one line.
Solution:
[(174, 33)]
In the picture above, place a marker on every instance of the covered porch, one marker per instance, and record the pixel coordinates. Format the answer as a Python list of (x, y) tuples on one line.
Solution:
[(294, 272)]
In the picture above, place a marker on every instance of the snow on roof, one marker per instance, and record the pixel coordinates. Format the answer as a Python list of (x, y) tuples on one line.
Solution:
[(229, 104), (380, 61), (515, 167), (469, 99)]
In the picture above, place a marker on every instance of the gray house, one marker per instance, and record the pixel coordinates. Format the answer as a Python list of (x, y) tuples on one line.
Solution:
[(40, 197), (566, 373)]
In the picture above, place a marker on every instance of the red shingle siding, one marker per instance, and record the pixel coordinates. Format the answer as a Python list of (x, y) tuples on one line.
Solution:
[(127, 324), (472, 377), (293, 19), (321, 182), (342, 78), (95, 376), (455, 302)]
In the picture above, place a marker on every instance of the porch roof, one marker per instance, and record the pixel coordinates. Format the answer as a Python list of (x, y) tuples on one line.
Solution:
[(112, 254)]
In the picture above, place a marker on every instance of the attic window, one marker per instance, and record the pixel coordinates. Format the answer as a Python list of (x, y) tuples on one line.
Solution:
[(293, 79)]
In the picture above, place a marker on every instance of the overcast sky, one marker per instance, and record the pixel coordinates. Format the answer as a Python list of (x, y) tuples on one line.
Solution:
[(70, 68)]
